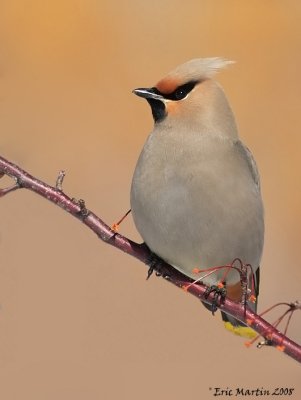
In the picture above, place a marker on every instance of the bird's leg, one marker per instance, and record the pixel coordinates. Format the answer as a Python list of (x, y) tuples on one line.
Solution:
[(218, 298)]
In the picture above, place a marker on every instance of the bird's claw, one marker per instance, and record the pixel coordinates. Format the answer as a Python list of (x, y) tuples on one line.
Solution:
[(219, 296), (154, 265)]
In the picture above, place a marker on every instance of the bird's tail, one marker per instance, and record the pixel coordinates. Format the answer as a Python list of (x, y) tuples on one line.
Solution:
[(237, 327), (234, 325)]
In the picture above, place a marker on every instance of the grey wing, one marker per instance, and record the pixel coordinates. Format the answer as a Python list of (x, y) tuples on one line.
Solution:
[(247, 155)]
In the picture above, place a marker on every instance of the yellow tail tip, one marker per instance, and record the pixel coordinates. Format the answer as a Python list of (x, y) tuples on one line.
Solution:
[(243, 331)]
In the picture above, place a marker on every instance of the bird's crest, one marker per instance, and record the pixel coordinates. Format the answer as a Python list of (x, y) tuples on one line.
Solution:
[(197, 70)]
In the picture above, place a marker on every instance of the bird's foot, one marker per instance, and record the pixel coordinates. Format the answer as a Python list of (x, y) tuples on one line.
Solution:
[(153, 263), (220, 292)]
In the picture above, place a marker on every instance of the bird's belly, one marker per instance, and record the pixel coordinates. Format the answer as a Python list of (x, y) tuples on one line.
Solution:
[(199, 220)]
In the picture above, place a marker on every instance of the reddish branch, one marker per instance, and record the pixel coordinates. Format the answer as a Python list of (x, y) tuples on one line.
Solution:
[(78, 209)]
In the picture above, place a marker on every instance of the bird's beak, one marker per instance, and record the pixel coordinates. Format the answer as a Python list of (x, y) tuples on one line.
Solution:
[(148, 93)]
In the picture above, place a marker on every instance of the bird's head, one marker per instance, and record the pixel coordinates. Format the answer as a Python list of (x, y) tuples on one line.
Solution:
[(188, 95)]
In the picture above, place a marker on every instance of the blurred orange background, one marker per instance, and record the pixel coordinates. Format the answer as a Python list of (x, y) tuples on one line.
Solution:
[(77, 319)]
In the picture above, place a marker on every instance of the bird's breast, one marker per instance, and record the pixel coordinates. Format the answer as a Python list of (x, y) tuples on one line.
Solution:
[(196, 205)]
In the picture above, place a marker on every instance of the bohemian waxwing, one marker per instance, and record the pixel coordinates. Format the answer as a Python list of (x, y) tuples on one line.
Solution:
[(195, 194)]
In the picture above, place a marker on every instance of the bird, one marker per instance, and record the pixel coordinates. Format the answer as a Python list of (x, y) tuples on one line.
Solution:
[(195, 194)]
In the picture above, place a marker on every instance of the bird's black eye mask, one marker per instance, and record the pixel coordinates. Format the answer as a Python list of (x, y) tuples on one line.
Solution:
[(158, 107), (180, 93)]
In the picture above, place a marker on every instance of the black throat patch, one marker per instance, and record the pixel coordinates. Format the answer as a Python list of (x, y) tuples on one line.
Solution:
[(158, 109)]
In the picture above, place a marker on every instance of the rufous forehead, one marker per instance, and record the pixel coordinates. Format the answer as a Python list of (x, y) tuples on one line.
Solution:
[(167, 85)]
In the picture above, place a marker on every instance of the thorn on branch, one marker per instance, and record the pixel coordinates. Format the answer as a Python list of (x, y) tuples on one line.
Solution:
[(59, 181)]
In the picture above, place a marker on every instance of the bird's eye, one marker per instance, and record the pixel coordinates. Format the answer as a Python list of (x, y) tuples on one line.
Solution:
[(179, 94), (182, 91)]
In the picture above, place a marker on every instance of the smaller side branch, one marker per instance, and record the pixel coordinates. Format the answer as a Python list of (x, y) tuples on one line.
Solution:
[(78, 209), (59, 181), (9, 189)]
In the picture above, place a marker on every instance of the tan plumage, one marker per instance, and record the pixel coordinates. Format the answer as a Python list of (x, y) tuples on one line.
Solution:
[(195, 194)]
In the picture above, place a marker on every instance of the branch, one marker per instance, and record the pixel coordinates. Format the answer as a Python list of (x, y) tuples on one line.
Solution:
[(77, 209)]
